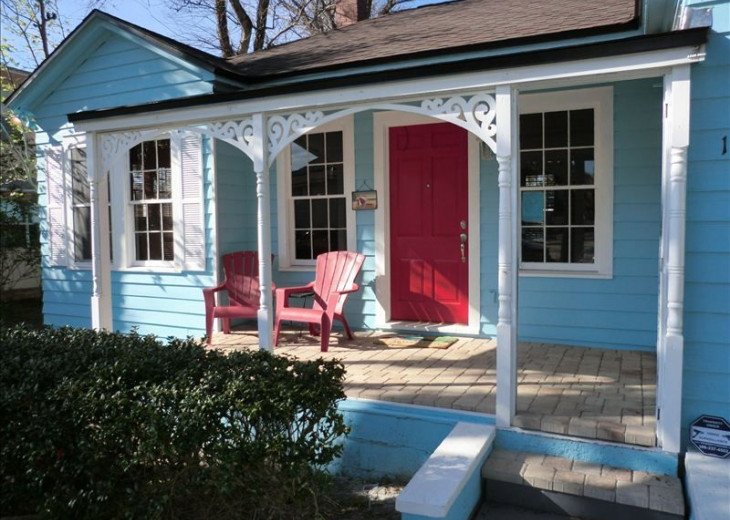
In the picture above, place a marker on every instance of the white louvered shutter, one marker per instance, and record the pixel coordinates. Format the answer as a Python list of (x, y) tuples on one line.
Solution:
[(191, 166), (55, 206)]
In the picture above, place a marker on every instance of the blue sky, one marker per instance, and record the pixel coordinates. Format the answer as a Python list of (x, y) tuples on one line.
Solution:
[(150, 14)]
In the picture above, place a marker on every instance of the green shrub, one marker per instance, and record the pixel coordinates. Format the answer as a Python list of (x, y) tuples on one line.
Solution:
[(103, 425)]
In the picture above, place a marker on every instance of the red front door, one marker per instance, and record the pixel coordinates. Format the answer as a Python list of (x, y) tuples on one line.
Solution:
[(428, 216)]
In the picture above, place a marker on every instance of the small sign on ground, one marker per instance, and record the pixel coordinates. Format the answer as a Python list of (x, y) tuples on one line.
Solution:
[(711, 436)]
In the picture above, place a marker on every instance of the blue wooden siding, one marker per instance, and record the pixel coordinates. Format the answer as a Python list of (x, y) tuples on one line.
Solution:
[(115, 71), (236, 199), (706, 387)]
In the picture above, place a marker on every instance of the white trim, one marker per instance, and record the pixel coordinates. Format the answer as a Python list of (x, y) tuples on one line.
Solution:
[(643, 64), (382, 121), (670, 353), (285, 230), (507, 280), (217, 275), (600, 99), (101, 297), (260, 155)]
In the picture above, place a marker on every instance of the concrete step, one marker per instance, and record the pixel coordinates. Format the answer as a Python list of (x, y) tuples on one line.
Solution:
[(580, 489)]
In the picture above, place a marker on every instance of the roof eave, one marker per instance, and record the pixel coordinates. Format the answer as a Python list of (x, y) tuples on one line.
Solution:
[(636, 44), (213, 65)]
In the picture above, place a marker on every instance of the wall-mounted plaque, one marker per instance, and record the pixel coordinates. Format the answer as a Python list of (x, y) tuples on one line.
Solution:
[(364, 200)]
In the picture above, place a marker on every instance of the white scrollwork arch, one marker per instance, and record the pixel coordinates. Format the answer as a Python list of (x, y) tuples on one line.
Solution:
[(238, 133), (476, 114)]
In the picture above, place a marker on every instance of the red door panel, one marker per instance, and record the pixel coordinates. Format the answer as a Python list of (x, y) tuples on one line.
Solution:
[(428, 204)]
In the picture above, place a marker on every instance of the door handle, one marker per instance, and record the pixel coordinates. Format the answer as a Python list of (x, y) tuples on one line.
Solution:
[(462, 246)]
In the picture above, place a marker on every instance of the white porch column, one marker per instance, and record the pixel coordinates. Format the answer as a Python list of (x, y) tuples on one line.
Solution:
[(674, 177), (259, 145), (101, 315), (507, 159)]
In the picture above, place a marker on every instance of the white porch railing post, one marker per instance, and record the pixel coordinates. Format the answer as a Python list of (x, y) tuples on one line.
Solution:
[(100, 239), (674, 173), (507, 124), (259, 147)]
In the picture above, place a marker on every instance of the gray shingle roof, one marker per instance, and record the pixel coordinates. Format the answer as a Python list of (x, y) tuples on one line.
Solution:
[(462, 24)]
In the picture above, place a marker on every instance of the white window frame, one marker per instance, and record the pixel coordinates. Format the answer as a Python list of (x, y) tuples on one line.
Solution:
[(285, 232), (70, 142), (177, 228), (600, 99)]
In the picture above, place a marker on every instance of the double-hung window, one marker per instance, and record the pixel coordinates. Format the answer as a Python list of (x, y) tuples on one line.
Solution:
[(159, 204), (566, 187), (315, 181), (151, 200)]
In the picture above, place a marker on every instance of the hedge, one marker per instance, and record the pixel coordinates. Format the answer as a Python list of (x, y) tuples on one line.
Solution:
[(108, 425)]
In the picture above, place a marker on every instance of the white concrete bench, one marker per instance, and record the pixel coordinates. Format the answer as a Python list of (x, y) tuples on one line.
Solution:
[(448, 485)]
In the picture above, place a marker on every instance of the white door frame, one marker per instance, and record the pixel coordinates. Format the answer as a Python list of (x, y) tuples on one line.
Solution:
[(382, 122)]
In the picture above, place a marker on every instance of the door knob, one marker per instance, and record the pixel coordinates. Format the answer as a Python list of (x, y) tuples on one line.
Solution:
[(462, 247)]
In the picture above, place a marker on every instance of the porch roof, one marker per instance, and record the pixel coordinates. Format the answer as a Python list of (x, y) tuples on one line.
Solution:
[(584, 51)]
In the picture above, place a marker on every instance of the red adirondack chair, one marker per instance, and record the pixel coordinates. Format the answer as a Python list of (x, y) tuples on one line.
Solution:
[(242, 283), (334, 280)]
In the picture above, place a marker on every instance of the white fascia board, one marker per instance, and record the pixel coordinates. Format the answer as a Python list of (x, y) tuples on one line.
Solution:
[(645, 64)]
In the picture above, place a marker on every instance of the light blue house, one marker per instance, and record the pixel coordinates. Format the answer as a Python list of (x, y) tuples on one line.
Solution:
[(561, 177)]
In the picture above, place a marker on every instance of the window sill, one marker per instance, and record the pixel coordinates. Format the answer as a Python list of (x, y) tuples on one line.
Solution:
[(547, 273), (148, 269)]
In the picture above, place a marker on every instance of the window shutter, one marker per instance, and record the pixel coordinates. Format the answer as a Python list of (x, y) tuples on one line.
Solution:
[(55, 206), (191, 166)]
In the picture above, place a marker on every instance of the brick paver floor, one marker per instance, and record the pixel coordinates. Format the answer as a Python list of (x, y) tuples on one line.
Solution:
[(582, 392)]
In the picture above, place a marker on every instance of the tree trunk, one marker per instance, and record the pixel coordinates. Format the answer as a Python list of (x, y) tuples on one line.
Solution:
[(42, 27), (224, 37), (261, 14), (246, 26)]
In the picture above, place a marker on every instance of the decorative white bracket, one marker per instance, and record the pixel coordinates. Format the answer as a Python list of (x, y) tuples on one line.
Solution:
[(238, 133), (475, 113)]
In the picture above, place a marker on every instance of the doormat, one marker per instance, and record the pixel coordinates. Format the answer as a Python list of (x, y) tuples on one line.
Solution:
[(401, 341)]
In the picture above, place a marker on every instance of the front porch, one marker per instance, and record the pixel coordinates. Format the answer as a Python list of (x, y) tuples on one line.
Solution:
[(583, 392)]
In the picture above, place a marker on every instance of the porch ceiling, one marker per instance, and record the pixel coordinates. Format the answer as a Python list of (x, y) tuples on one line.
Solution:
[(583, 392)]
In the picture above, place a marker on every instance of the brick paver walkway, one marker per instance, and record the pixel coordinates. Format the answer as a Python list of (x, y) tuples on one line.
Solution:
[(583, 392)]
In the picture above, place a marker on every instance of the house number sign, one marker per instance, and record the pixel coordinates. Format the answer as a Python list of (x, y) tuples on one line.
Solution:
[(711, 435)]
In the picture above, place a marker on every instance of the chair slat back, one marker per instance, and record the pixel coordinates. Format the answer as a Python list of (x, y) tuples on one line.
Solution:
[(336, 271), (242, 277)]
